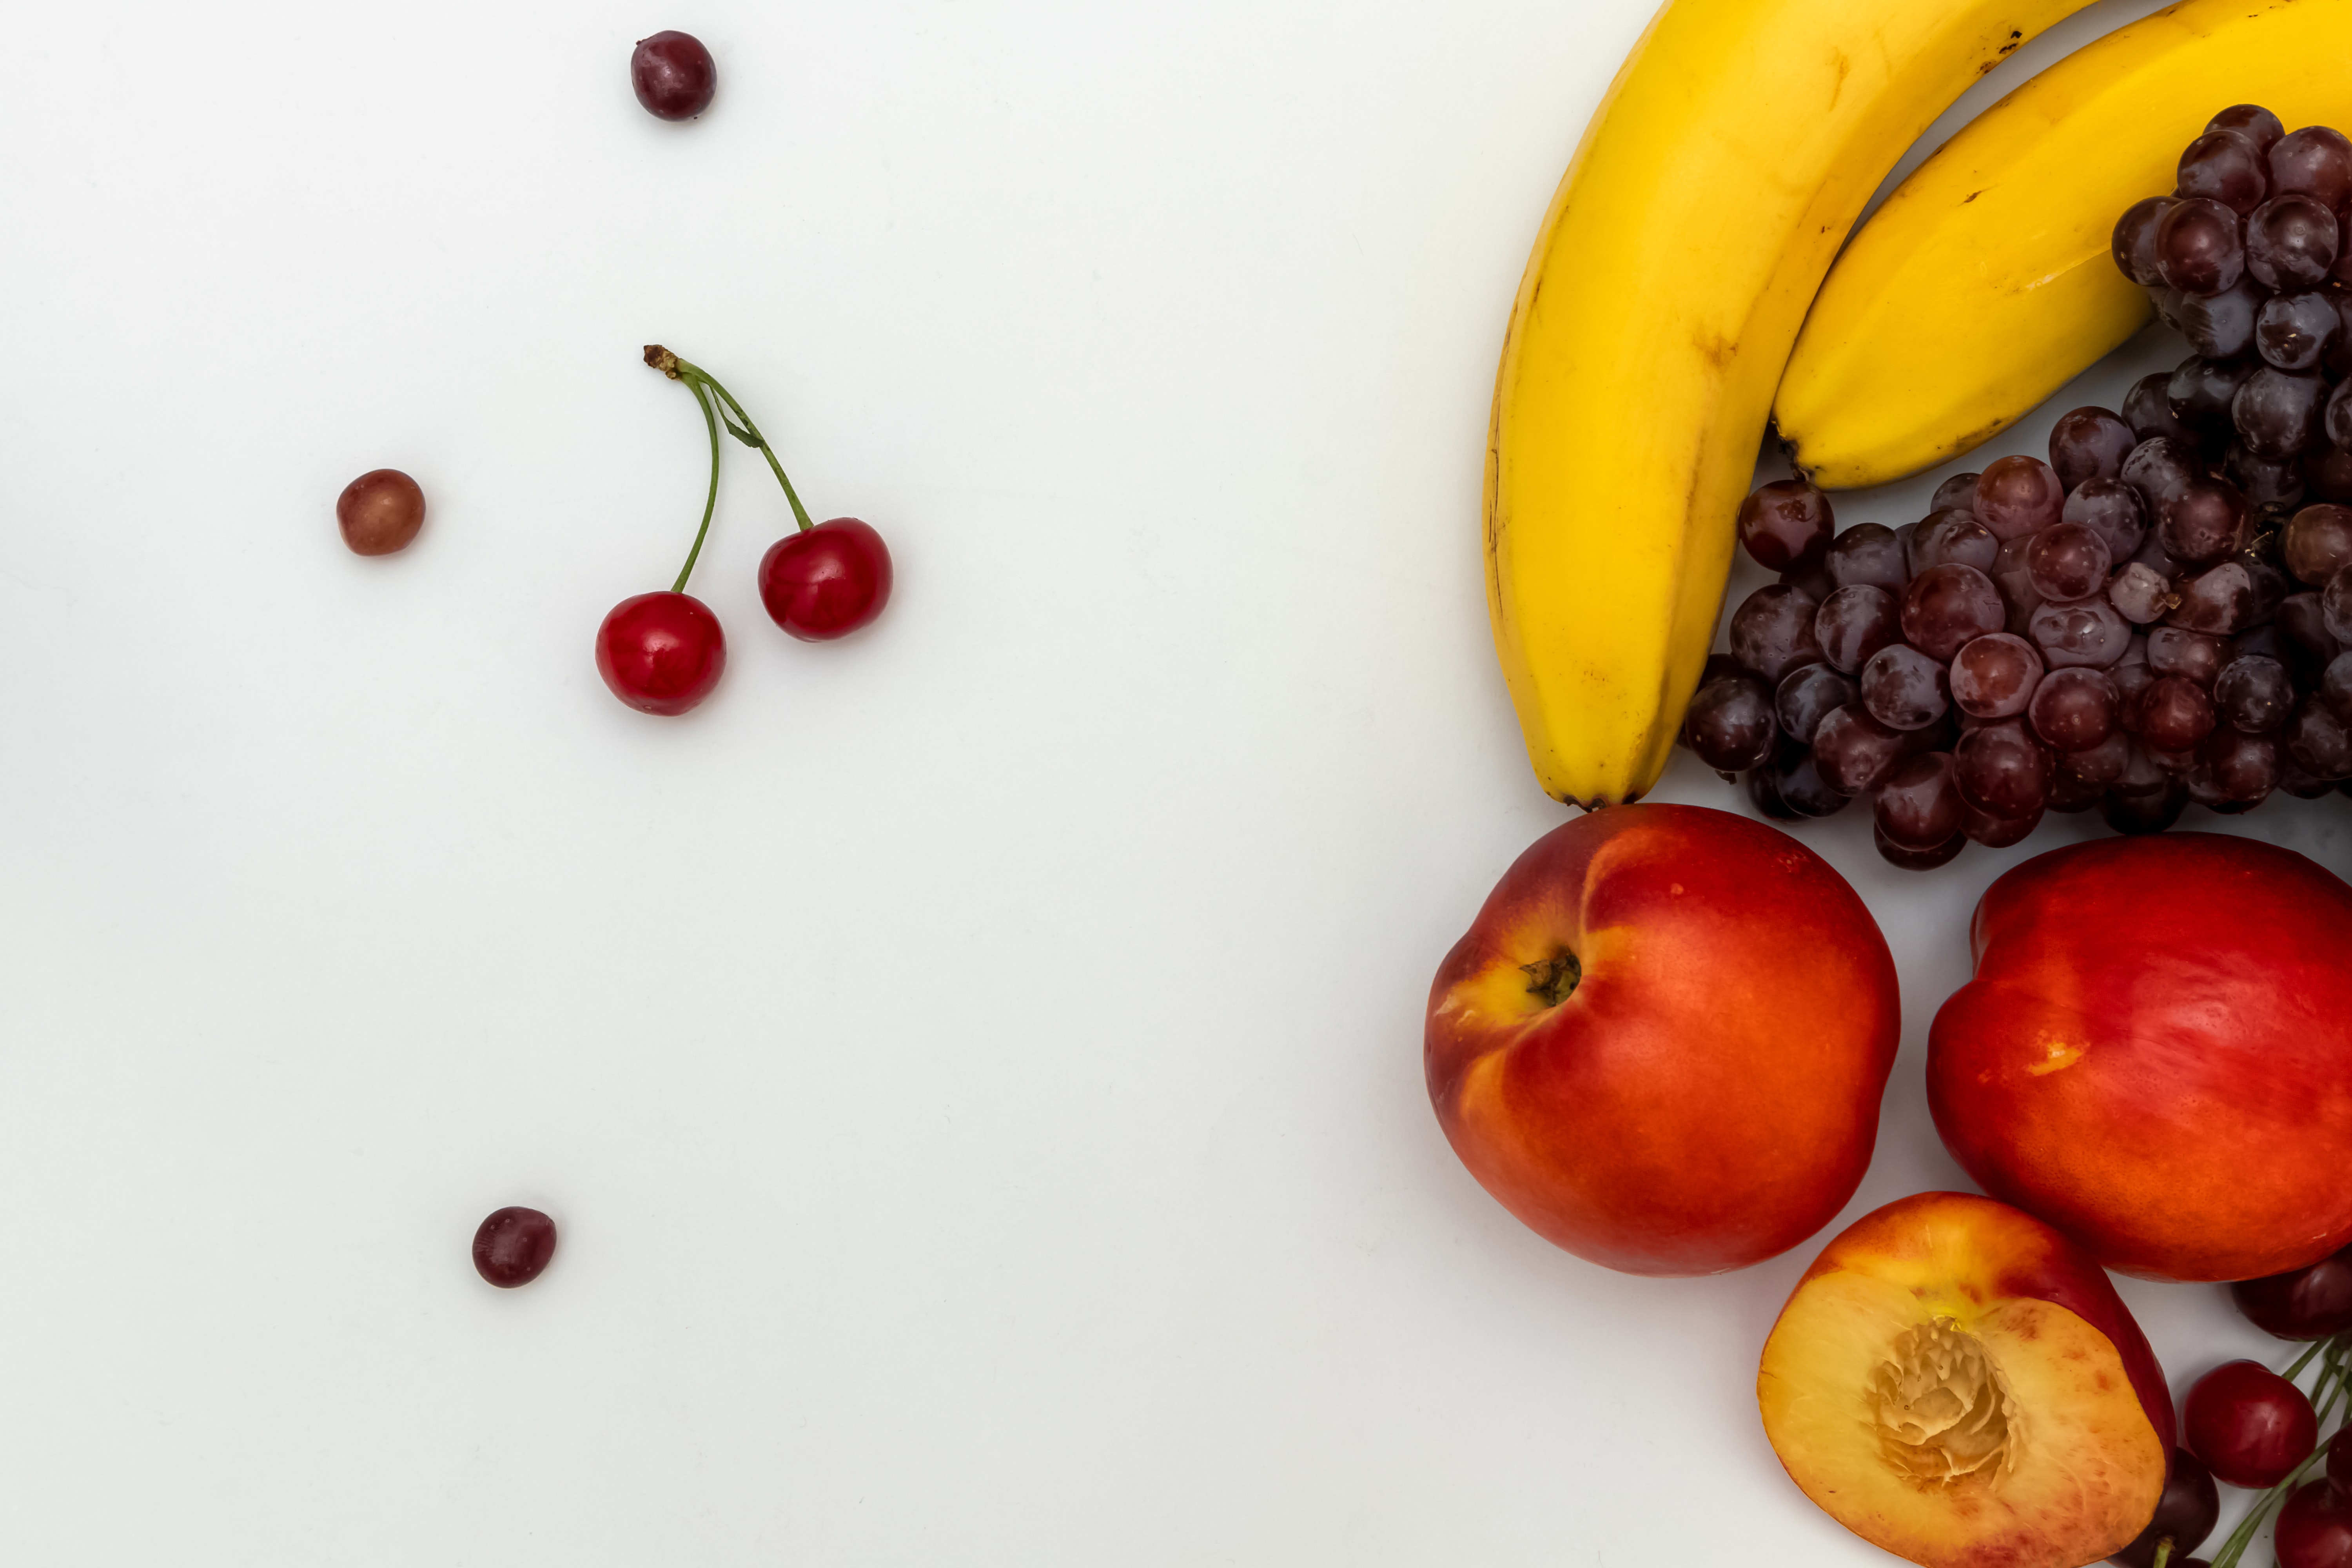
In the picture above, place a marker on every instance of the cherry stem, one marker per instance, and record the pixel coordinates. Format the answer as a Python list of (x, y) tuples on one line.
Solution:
[(2163, 1553), (708, 395)]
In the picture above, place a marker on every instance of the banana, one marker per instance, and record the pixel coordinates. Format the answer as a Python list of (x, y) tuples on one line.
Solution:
[(1712, 188), (1984, 283)]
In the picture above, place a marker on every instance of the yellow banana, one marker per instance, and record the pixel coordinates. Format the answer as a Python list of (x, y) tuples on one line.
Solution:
[(1713, 186), (1984, 284)]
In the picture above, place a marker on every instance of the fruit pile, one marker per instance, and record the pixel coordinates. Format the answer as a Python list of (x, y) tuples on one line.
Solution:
[(2146, 619)]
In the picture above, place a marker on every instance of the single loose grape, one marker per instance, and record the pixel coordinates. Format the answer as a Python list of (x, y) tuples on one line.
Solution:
[(2148, 409), (2171, 713), (2204, 520), (2067, 561), (1730, 723), (2003, 771), (2134, 242), (1806, 694), (2279, 413), (2221, 325), (1772, 631), (1994, 676), (2198, 247), (1945, 606), (2088, 444), (2075, 710), (2292, 330), (2227, 166), (1868, 553), (1854, 751), (2159, 467), (1919, 806), (2018, 495), (2254, 693), (2111, 509), (1952, 535), (2251, 120), (1854, 623), (1904, 689), (1785, 523), (673, 75), (2291, 242), (513, 1246), (2316, 161)]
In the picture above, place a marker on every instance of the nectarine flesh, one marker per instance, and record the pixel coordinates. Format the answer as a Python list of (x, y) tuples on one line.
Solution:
[(1958, 1383)]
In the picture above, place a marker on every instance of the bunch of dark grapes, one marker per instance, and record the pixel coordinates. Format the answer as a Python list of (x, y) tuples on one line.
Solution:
[(2151, 618)]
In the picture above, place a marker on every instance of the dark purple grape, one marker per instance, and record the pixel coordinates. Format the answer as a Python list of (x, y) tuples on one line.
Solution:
[(2308, 1303), (2226, 166), (1854, 751), (2203, 389), (2069, 794), (2098, 765), (1854, 623), (1958, 492), (2186, 1513), (2316, 542), (2148, 409), (2317, 740), (1907, 859), (513, 1245), (1945, 606), (2221, 325), (2067, 561), (2251, 120), (2002, 770), (673, 75), (2223, 599), (1904, 688), (2111, 509), (2336, 417), (2291, 242), (2019, 597), (2086, 633), (2192, 655), (2328, 470), (2292, 330), (2263, 641), (2316, 161), (2018, 495), (2160, 469), (1810, 578), (1763, 787), (2135, 812), (2204, 520), (2171, 713), (2278, 414), (2240, 768), (2089, 444), (1994, 676), (1868, 553), (1785, 523), (2075, 710), (1952, 535), (1998, 832), (2141, 594), (2302, 621), (2335, 686), (2336, 606), (2141, 769), (2301, 785), (1772, 631), (2254, 694), (1806, 694), (1730, 723), (2198, 247), (2269, 484), (1919, 806), (2134, 242), (1800, 785)]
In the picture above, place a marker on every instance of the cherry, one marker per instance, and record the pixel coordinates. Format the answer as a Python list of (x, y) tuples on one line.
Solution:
[(661, 653), (2311, 1303), (513, 1246), (2314, 1528), (380, 513), (2185, 1514), (674, 75), (2250, 1425), (827, 581)]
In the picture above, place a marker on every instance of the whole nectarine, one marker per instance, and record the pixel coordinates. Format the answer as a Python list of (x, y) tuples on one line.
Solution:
[(1954, 1380), (2156, 1054), (1663, 1042)]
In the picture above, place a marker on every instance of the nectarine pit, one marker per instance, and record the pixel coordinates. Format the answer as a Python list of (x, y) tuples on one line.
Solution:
[(1943, 1412), (1553, 980)]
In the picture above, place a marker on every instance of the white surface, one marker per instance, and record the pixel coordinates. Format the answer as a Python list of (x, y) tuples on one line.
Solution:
[(975, 1066)]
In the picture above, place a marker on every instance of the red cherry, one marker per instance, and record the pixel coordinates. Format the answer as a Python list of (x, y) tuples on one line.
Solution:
[(827, 581), (2250, 1425), (2313, 1303), (513, 1245), (661, 653), (2314, 1528)]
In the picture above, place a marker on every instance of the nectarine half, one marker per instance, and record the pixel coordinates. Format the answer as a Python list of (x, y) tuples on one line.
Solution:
[(1954, 1380)]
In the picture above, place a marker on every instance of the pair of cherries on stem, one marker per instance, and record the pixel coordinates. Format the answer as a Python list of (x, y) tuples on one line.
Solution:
[(663, 652)]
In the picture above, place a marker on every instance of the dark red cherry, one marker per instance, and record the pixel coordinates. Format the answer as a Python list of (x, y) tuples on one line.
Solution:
[(674, 75), (661, 653), (2312, 1303), (2314, 1527), (513, 1246), (2250, 1425), (827, 581), (2185, 1514)]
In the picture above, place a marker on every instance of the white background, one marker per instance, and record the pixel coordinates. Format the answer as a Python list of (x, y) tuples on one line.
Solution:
[(976, 1065)]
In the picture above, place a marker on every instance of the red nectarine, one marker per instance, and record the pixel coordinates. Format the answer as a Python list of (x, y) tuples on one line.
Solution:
[(1954, 1380), (2156, 1054), (1663, 1042)]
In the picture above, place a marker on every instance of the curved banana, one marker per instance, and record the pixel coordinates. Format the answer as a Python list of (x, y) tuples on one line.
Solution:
[(1713, 186), (1984, 284)]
